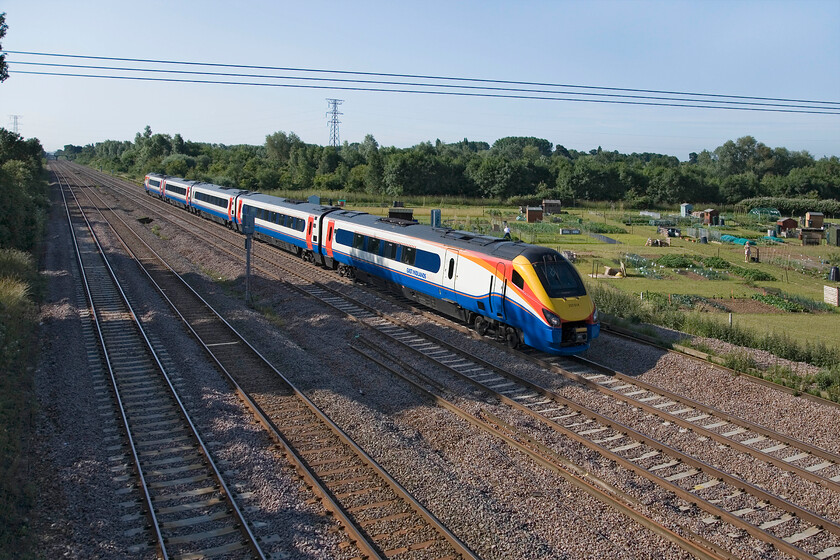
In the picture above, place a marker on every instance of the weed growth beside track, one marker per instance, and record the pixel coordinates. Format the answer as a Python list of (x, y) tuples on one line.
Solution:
[(656, 309)]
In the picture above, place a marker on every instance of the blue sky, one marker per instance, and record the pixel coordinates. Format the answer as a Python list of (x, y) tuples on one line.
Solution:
[(780, 49)]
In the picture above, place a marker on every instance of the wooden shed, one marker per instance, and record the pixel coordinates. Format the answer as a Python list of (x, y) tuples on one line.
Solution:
[(534, 214), (710, 216), (686, 209), (552, 206), (786, 224), (813, 220)]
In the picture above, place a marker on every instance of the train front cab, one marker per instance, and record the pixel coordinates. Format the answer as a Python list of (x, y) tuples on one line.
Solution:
[(569, 319)]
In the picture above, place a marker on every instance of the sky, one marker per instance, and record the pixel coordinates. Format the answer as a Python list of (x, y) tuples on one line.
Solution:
[(761, 48)]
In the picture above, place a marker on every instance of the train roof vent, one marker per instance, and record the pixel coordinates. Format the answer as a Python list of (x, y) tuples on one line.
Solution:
[(350, 213), (398, 221), (293, 201), (484, 240)]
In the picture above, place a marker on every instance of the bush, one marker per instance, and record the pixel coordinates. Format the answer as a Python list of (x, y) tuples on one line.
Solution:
[(675, 261), (17, 350), (715, 262), (752, 274)]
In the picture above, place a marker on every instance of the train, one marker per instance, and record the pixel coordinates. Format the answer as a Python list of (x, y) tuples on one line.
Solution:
[(520, 293)]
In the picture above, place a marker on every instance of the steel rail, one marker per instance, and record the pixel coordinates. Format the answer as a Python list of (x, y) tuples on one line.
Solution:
[(779, 543), (367, 547), (551, 365), (705, 358), (244, 527), (160, 545), (613, 497)]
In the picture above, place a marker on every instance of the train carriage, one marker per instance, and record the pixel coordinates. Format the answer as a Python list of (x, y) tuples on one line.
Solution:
[(153, 184), (293, 225), (177, 191), (523, 292), (214, 202)]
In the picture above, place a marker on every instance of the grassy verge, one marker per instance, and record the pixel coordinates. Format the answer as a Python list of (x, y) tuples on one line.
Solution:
[(18, 288), (656, 309)]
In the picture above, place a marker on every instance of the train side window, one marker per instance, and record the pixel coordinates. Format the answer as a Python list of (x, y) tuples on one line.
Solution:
[(408, 255), (373, 245), (358, 241), (389, 250), (300, 224), (451, 269), (518, 281)]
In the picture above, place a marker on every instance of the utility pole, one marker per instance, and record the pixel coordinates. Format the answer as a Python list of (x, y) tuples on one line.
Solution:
[(14, 119), (333, 122)]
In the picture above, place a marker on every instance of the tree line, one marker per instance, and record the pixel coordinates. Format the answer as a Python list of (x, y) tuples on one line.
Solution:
[(23, 191), (512, 169)]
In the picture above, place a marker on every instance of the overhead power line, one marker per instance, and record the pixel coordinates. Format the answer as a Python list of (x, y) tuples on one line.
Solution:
[(429, 85)]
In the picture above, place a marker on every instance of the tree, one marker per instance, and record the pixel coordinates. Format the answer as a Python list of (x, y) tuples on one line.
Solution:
[(4, 68), (513, 146)]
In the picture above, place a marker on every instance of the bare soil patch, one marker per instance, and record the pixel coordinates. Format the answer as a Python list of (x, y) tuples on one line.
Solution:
[(744, 305)]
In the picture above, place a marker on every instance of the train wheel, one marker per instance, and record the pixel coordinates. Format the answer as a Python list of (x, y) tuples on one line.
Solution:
[(481, 325), (512, 338)]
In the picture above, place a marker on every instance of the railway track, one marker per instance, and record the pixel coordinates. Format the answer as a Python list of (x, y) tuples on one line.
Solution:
[(191, 510), (380, 517), (788, 527), (723, 497)]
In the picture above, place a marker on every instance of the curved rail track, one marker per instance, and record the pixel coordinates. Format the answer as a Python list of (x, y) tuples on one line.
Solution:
[(380, 517), (790, 528)]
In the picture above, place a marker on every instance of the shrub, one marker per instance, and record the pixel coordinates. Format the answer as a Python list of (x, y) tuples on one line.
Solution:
[(752, 274), (715, 262), (675, 261)]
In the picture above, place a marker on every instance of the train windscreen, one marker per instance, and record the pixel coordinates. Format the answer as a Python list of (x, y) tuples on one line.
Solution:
[(559, 278)]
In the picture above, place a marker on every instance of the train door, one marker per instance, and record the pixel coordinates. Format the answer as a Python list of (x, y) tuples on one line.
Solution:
[(329, 239), (450, 273), (309, 228), (501, 286)]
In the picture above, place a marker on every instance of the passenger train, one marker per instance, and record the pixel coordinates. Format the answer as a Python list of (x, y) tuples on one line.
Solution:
[(522, 293)]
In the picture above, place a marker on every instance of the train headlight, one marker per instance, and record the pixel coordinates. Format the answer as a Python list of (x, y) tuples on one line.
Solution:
[(552, 319), (596, 317)]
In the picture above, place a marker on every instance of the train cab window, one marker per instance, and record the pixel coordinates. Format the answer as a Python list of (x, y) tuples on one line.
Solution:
[(389, 250), (358, 241), (409, 254), (451, 271), (559, 278), (517, 279), (373, 245)]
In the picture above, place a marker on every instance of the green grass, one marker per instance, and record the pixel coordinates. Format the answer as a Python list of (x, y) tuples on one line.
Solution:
[(18, 285), (800, 327)]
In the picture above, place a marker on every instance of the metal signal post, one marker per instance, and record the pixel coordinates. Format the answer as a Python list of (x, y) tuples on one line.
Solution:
[(248, 230)]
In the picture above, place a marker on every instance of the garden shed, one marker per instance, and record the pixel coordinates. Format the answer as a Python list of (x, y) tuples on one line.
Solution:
[(710, 216), (786, 224), (813, 220), (685, 209), (552, 206), (534, 214)]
